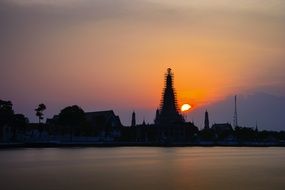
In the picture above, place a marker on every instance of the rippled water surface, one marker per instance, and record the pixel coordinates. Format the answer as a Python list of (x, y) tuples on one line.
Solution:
[(143, 168)]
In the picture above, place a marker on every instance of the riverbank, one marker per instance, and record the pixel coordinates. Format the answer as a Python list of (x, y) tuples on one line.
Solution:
[(133, 144)]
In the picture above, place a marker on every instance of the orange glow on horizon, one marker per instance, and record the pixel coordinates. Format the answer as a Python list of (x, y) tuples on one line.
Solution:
[(118, 61)]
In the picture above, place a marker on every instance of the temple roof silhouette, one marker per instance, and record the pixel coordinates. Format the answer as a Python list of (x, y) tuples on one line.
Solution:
[(103, 118)]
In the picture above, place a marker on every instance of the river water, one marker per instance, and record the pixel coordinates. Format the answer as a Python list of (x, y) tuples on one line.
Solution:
[(143, 168)]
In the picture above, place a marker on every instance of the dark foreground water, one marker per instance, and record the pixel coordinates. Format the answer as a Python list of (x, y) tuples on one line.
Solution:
[(143, 168)]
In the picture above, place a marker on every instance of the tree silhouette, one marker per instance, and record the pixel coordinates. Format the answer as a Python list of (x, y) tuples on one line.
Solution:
[(6, 115), (72, 117), (18, 124), (6, 112), (39, 112)]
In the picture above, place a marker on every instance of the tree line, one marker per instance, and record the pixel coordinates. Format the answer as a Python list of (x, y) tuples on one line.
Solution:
[(70, 120)]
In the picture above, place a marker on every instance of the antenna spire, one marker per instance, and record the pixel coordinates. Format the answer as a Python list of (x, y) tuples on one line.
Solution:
[(235, 113)]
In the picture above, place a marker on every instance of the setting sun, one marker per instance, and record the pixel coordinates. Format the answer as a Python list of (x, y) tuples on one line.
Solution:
[(185, 107)]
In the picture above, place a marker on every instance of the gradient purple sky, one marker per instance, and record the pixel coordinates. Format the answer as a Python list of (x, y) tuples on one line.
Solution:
[(112, 54)]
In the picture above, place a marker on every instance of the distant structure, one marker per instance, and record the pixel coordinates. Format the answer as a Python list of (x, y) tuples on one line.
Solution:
[(222, 127), (235, 122), (223, 131), (103, 119), (107, 124), (256, 127), (143, 123), (168, 112), (133, 119), (156, 116), (206, 122)]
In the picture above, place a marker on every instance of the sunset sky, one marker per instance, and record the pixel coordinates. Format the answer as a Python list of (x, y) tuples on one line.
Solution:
[(113, 54)]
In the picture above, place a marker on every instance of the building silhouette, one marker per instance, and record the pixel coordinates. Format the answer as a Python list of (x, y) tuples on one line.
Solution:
[(106, 124), (223, 131), (168, 113), (133, 119), (206, 122), (169, 123)]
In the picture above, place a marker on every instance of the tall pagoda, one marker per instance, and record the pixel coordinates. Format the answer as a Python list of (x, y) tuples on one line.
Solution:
[(168, 113)]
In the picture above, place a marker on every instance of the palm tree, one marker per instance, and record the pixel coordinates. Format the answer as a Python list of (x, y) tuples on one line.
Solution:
[(39, 112)]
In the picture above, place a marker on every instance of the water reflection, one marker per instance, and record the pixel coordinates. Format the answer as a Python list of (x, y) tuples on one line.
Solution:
[(143, 168)]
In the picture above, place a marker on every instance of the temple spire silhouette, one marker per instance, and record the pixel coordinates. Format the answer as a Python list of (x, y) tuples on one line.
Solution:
[(133, 119), (206, 122), (168, 112)]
